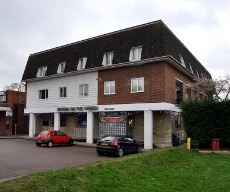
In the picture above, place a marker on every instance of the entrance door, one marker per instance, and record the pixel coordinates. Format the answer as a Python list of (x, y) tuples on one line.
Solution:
[(106, 128)]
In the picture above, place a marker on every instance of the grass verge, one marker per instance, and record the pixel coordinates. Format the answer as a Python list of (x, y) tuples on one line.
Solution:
[(169, 169)]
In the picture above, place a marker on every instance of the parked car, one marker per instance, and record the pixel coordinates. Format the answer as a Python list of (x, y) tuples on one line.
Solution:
[(52, 137), (117, 145)]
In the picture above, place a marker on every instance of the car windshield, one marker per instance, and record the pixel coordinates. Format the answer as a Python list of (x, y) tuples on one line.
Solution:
[(108, 138), (44, 133)]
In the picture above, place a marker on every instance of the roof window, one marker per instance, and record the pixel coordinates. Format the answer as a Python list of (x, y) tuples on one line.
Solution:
[(107, 58), (61, 67), (42, 71), (81, 64), (135, 54)]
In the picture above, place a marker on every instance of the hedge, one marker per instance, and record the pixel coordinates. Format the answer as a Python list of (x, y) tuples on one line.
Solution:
[(206, 120)]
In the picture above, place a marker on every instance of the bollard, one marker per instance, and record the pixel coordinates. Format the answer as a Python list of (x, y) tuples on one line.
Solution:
[(188, 143)]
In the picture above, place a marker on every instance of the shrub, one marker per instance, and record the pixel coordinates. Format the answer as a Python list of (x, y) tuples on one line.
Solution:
[(206, 120)]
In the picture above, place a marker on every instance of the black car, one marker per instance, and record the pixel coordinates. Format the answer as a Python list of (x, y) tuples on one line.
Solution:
[(117, 145)]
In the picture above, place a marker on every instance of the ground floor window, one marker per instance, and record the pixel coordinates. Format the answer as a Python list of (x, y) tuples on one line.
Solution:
[(178, 121), (80, 120), (62, 120)]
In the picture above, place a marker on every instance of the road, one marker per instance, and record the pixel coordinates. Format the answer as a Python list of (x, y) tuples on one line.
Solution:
[(20, 157)]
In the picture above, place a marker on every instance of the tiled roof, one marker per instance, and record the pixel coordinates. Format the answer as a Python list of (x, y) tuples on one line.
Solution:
[(156, 40)]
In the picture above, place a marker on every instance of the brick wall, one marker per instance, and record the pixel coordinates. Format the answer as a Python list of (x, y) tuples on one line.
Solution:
[(171, 74), (159, 84), (153, 88), (15, 96)]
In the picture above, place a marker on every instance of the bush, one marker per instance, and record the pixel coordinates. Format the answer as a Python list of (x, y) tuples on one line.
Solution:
[(206, 120)]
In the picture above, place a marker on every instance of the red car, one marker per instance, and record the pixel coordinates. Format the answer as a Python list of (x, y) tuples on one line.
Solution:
[(52, 137)]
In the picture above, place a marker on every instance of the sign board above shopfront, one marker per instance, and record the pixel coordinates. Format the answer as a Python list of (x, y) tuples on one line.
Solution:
[(81, 108)]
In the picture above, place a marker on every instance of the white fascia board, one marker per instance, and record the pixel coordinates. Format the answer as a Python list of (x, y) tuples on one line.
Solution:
[(118, 107), (140, 107), (40, 110), (5, 109)]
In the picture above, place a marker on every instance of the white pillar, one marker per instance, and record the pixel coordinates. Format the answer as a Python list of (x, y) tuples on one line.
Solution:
[(32, 124), (56, 121), (89, 130), (148, 129)]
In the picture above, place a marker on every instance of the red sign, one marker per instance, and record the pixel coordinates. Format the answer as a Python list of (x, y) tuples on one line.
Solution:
[(112, 119)]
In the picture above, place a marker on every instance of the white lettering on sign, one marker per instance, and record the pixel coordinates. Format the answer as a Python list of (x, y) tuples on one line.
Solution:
[(85, 108)]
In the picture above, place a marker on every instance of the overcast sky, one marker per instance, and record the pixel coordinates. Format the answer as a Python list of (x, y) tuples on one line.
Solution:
[(30, 26)]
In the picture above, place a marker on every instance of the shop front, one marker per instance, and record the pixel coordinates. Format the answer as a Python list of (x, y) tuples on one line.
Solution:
[(88, 123)]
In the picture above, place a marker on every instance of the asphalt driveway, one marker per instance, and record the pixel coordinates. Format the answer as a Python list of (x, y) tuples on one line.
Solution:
[(20, 157)]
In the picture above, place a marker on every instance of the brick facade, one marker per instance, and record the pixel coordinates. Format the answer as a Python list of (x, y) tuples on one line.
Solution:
[(159, 84), (16, 101)]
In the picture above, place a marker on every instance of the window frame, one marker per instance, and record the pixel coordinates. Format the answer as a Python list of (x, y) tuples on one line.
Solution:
[(81, 64), (61, 67), (42, 71), (137, 85), (62, 92), (2, 98), (108, 58), (109, 83), (182, 62), (82, 88), (135, 53), (45, 94)]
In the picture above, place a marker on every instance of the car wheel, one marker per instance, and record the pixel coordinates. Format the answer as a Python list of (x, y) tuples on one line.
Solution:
[(70, 142), (120, 152), (139, 149), (99, 153), (50, 144), (38, 144)]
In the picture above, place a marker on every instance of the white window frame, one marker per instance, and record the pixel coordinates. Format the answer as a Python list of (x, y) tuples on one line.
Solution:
[(81, 63), (62, 92), (182, 60), (45, 93), (138, 81), (84, 90), (190, 67), (135, 53), (109, 84), (107, 59), (42, 71), (197, 73), (2, 97), (61, 67)]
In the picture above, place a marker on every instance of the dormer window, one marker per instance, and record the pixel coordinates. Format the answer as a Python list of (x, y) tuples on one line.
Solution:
[(81, 64), (107, 58), (182, 60), (135, 54), (61, 67), (42, 71), (198, 75), (190, 67)]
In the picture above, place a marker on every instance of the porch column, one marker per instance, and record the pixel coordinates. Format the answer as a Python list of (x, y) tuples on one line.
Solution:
[(32, 124), (148, 129), (56, 121), (90, 125)]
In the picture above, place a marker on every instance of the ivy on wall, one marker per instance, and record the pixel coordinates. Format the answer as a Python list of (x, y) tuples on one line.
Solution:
[(206, 120)]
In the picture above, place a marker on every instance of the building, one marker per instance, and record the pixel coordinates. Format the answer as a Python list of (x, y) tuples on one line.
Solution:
[(126, 82), (12, 119)]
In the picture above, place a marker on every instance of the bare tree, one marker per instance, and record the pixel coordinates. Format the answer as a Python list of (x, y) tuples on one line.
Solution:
[(223, 87), (15, 87), (218, 89)]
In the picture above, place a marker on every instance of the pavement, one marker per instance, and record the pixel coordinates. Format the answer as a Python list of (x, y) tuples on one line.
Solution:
[(203, 151), (34, 138)]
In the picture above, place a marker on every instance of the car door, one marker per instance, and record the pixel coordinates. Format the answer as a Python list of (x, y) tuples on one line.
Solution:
[(128, 144), (131, 144), (62, 138), (54, 136)]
